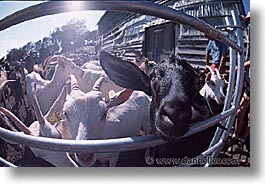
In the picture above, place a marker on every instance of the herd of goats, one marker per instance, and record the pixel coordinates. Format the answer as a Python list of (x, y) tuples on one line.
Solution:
[(112, 98)]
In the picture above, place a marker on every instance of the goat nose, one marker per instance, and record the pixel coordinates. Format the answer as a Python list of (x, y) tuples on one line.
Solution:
[(168, 113), (222, 98)]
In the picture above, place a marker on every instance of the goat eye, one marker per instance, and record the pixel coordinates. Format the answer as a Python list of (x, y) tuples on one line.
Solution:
[(65, 115)]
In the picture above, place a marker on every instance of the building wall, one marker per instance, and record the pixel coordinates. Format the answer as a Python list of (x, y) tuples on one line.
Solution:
[(122, 31)]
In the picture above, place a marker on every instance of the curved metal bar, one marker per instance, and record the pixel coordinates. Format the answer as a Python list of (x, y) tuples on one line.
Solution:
[(204, 155), (147, 8), (107, 145), (6, 163), (88, 146), (239, 81), (228, 97), (203, 125), (240, 73), (209, 151)]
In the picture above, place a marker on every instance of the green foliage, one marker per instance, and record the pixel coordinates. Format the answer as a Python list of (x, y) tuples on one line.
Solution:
[(66, 39)]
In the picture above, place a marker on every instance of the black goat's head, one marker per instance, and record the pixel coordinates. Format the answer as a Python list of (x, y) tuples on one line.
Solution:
[(172, 84)]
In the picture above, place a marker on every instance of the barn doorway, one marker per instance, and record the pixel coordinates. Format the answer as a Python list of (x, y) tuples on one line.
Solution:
[(159, 41)]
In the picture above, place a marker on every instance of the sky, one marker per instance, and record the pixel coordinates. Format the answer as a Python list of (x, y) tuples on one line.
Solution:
[(34, 30)]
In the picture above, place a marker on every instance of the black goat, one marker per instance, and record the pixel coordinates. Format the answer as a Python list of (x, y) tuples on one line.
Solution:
[(173, 85)]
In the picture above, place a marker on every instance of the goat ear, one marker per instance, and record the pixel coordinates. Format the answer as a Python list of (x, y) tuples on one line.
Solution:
[(53, 115), (36, 106), (124, 73)]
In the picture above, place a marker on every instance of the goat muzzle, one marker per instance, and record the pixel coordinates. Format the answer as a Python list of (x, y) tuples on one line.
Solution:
[(172, 122)]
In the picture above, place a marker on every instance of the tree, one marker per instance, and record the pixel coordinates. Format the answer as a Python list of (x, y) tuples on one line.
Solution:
[(14, 55), (70, 36), (66, 39), (49, 47)]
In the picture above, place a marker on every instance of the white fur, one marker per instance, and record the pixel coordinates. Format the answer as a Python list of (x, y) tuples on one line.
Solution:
[(126, 120), (88, 118), (214, 92), (47, 91)]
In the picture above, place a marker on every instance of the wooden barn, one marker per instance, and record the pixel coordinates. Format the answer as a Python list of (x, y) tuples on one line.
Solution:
[(156, 38)]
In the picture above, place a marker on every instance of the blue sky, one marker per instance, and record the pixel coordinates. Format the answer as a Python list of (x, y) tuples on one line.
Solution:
[(34, 30)]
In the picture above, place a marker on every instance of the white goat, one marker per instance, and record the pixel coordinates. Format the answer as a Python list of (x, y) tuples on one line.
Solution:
[(213, 88), (43, 128), (90, 117), (47, 91)]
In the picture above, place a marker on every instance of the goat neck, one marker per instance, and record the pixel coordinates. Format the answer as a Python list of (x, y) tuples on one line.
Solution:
[(46, 129)]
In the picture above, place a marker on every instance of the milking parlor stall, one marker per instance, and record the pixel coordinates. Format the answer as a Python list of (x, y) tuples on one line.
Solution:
[(134, 92)]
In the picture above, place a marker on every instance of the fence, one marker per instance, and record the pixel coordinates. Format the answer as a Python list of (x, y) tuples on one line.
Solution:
[(132, 143)]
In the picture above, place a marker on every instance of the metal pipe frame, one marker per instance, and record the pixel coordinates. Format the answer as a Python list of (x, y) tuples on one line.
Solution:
[(106, 145), (129, 143), (240, 79), (228, 98), (204, 154), (6, 163), (239, 83)]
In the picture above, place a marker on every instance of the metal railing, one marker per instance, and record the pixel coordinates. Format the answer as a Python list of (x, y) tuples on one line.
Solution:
[(132, 143)]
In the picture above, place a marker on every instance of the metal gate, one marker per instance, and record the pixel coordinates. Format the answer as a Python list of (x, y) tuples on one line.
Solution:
[(133, 143)]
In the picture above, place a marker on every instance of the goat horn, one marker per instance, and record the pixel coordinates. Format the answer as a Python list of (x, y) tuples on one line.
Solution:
[(74, 84), (48, 60), (36, 106), (98, 84), (45, 62), (18, 123)]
